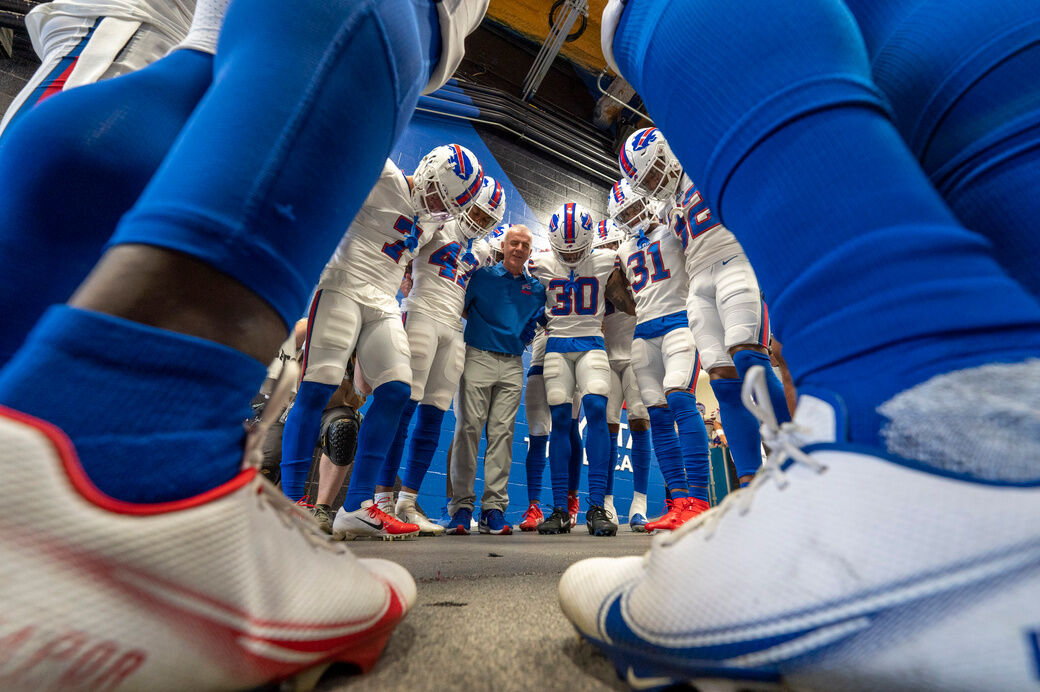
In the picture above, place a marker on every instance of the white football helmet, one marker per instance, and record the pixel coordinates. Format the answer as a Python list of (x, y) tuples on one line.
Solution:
[(607, 232), (487, 210), (629, 210), (647, 162), (494, 239), (446, 182), (571, 234)]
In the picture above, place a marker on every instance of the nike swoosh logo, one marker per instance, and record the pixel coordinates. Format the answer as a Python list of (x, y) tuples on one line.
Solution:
[(724, 262), (377, 527)]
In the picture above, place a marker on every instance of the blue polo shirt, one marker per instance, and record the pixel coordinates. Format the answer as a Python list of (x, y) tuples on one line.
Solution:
[(499, 306)]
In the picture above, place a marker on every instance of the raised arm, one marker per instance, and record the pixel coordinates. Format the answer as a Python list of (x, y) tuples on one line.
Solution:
[(619, 294)]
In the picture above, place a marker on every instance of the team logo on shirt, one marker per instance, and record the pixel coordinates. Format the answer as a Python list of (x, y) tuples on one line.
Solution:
[(526, 289)]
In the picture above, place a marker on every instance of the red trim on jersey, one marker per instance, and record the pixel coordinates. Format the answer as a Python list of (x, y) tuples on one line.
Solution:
[(310, 326), (59, 82)]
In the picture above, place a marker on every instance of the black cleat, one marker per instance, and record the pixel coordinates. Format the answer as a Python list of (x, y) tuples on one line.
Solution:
[(599, 523), (558, 522)]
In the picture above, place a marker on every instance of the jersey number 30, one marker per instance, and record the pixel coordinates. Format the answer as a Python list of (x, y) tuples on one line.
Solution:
[(580, 297)]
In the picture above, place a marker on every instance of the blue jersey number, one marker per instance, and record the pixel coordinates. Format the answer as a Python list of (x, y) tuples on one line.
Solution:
[(580, 297), (404, 226), (447, 258), (637, 262)]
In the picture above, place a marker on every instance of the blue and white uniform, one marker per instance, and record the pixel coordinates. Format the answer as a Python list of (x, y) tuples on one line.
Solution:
[(618, 331)]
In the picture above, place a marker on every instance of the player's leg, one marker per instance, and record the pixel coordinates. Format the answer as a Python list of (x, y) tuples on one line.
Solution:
[(639, 434), (538, 420), (648, 363), (72, 168), (559, 392), (682, 367), (592, 383), (966, 104)]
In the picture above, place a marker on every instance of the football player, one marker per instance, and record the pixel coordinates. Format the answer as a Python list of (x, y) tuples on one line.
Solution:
[(432, 314), (664, 354), (575, 360), (618, 332), (355, 306), (729, 319)]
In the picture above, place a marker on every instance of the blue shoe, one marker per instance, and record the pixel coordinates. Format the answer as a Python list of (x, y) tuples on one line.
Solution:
[(637, 514), (459, 524), (445, 518), (637, 523), (494, 522)]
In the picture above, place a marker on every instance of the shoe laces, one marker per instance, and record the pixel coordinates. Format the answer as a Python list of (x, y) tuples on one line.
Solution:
[(375, 512), (784, 443), (294, 517), (532, 512)]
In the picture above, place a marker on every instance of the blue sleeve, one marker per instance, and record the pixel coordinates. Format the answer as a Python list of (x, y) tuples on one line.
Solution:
[(472, 294)]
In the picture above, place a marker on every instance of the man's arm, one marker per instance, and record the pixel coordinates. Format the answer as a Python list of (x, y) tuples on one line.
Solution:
[(471, 293), (618, 293)]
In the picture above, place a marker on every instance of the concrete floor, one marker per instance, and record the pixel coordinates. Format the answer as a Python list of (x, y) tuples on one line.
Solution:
[(487, 617)]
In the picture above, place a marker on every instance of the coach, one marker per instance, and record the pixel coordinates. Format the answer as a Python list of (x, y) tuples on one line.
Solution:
[(502, 305)]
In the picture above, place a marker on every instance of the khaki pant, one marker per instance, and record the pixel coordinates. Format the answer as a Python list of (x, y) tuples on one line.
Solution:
[(489, 394)]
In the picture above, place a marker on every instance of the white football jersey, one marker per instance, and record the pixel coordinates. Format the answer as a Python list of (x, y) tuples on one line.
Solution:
[(574, 298), (704, 239), (656, 274), (172, 18), (457, 19), (618, 330), (440, 273), (369, 262)]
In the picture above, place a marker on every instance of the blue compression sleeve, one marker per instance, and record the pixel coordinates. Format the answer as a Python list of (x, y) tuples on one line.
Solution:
[(302, 428), (392, 464), (745, 360), (640, 460), (377, 431), (155, 416), (600, 450), (745, 442), (70, 167), (560, 453), (425, 437), (693, 439), (577, 457), (666, 447), (536, 446)]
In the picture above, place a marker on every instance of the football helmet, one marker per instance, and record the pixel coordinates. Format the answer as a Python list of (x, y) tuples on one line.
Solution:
[(487, 210), (607, 232), (494, 239), (571, 234), (628, 209), (446, 182), (647, 162)]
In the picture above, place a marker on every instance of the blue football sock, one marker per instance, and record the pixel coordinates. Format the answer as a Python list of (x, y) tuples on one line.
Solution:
[(745, 360), (300, 435), (388, 473), (640, 460), (94, 149), (155, 416), (666, 447), (577, 457), (693, 440), (876, 285), (271, 213), (600, 450), (425, 437), (615, 458), (536, 446), (745, 442), (560, 453), (374, 438)]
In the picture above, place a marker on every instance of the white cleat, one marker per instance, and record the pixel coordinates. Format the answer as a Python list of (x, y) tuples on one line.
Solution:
[(608, 504), (838, 568), (408, 513), (233, 589), (370, 523)]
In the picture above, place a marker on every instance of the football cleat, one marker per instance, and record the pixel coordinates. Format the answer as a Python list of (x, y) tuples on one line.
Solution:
[(573, 507), (781, 585), (408, 513), (207, 592), (558, 522), (370, 523), (608, 504), (682, 509), (637, 514), (599, 523), (532, 518), (637, 523)]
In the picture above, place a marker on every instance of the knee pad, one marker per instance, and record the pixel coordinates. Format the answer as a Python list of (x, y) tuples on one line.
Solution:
[(535, 406), (556, 377), (594, 372), (339, 437)]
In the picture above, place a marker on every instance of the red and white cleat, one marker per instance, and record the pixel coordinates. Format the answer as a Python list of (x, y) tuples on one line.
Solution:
[(202, 593), (532, 518), (680, 511), (573, 507), (370, 522)]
